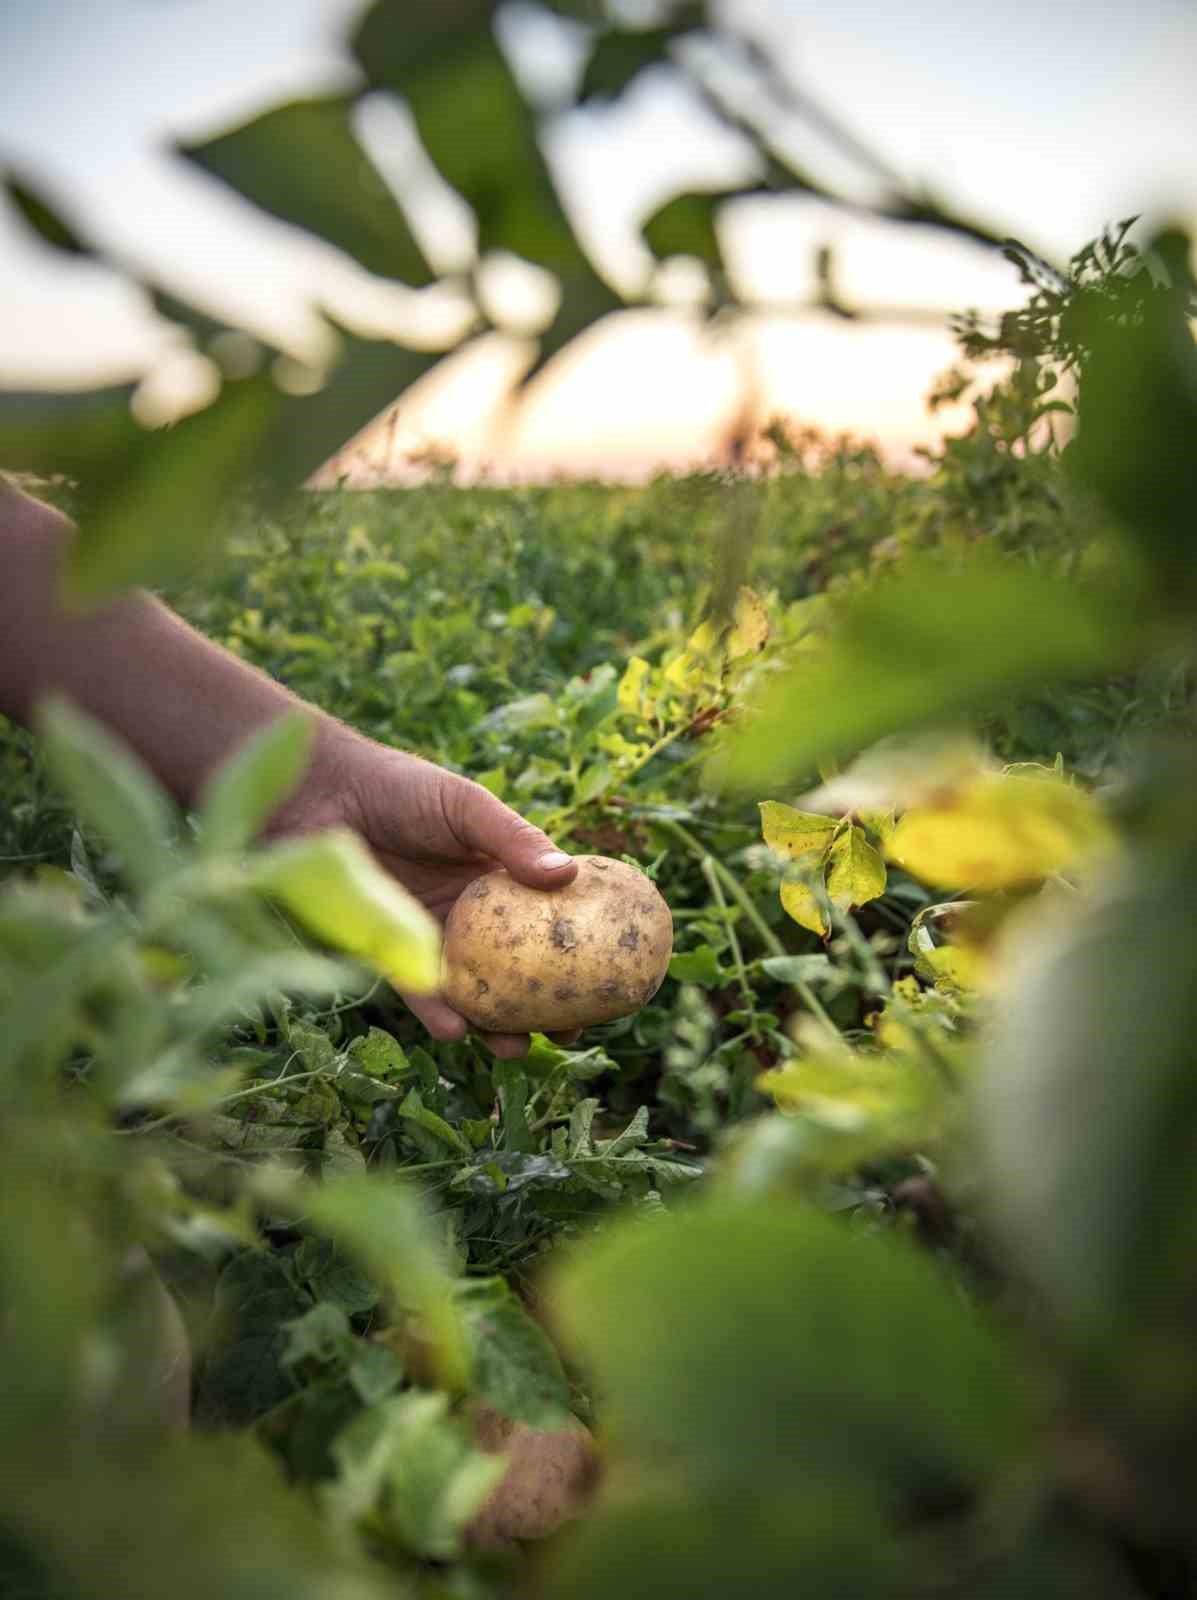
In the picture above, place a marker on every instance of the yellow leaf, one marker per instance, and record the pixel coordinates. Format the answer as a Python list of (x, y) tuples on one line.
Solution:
[(682, 670), (750, 624), (631, 685), (801, 903), (333, 885), (855, 871), (881, 823), (998, 832), (704, 639), (844, 1088), (614, 744), (791, 832), (956, 966)]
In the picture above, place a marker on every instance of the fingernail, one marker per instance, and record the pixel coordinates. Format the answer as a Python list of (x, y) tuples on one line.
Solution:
[(552, 860)]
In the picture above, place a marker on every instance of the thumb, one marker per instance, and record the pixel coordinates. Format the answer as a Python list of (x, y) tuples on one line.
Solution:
[(489, 827)]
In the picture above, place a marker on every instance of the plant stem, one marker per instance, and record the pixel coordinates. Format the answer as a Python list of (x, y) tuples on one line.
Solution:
[(746, 994), (744, 900)]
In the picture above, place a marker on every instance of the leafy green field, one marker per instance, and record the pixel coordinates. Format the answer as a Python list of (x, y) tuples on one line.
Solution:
[(862, 1247)]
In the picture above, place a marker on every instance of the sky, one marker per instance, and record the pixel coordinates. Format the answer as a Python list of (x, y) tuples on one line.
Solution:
[(1045, 121)]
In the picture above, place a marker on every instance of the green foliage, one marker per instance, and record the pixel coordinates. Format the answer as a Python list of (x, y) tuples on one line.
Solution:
[(898, 1298), (302, 162)]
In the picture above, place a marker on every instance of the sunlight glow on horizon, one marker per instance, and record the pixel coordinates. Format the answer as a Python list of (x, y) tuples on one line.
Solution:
[(957, 92)]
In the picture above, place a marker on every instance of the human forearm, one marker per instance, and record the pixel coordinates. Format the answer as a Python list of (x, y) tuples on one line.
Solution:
[(181, 701)]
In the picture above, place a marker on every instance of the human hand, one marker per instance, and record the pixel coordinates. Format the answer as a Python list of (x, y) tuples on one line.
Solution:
[(433, 831)]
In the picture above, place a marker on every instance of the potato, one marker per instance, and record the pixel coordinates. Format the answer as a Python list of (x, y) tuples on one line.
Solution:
[(518, 959), (551, 1473)]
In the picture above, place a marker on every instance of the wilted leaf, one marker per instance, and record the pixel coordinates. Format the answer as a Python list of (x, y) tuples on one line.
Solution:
[(801, 902), (750, 624), (792, 832), (855, 871), (631, 686)]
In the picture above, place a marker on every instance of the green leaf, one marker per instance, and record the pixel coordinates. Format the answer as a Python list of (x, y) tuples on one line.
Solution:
[(369, 376), (302, 162), (620, 55), (511, 1086), (398, 37), (243, 1373), (329, 1275), (374, 1372), (1087, 1105), (434, 1480), (385, 1226), (152, 513), (700, 966), (213, 1517), (322, 1335), (686, 226), (414, 1110), (240, 798), (497, 165), (333, 885), (758, 1544), (516, 1368), (928, 645), (581, 1120), (379, 1054), (111, 790), (80, 435), (798, 969), (749, 1344), (855, 871), (636, 1133), (1137, 412), (43, 219)]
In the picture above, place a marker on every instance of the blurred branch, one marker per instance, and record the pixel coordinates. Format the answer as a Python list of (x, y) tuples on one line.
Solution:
[(902, 204)]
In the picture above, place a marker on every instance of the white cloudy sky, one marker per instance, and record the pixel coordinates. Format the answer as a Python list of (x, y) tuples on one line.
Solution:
[(1046, 121)]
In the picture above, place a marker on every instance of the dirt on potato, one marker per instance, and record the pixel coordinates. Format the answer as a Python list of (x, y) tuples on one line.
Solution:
[(518, 959)]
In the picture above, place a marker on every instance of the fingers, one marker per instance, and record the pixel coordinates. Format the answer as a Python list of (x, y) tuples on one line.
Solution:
[(450, 1026), (438, 1017), (485, 825)]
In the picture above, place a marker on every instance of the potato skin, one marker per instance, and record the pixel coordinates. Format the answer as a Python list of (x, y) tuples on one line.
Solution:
[(518, 959), (551, 1474)]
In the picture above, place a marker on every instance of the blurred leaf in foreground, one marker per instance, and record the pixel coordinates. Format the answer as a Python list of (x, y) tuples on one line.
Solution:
[(1000, 831), (931, 645), (302, 162), (764, 1375), (333, 885), (836, 1332), (1137, 411)]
